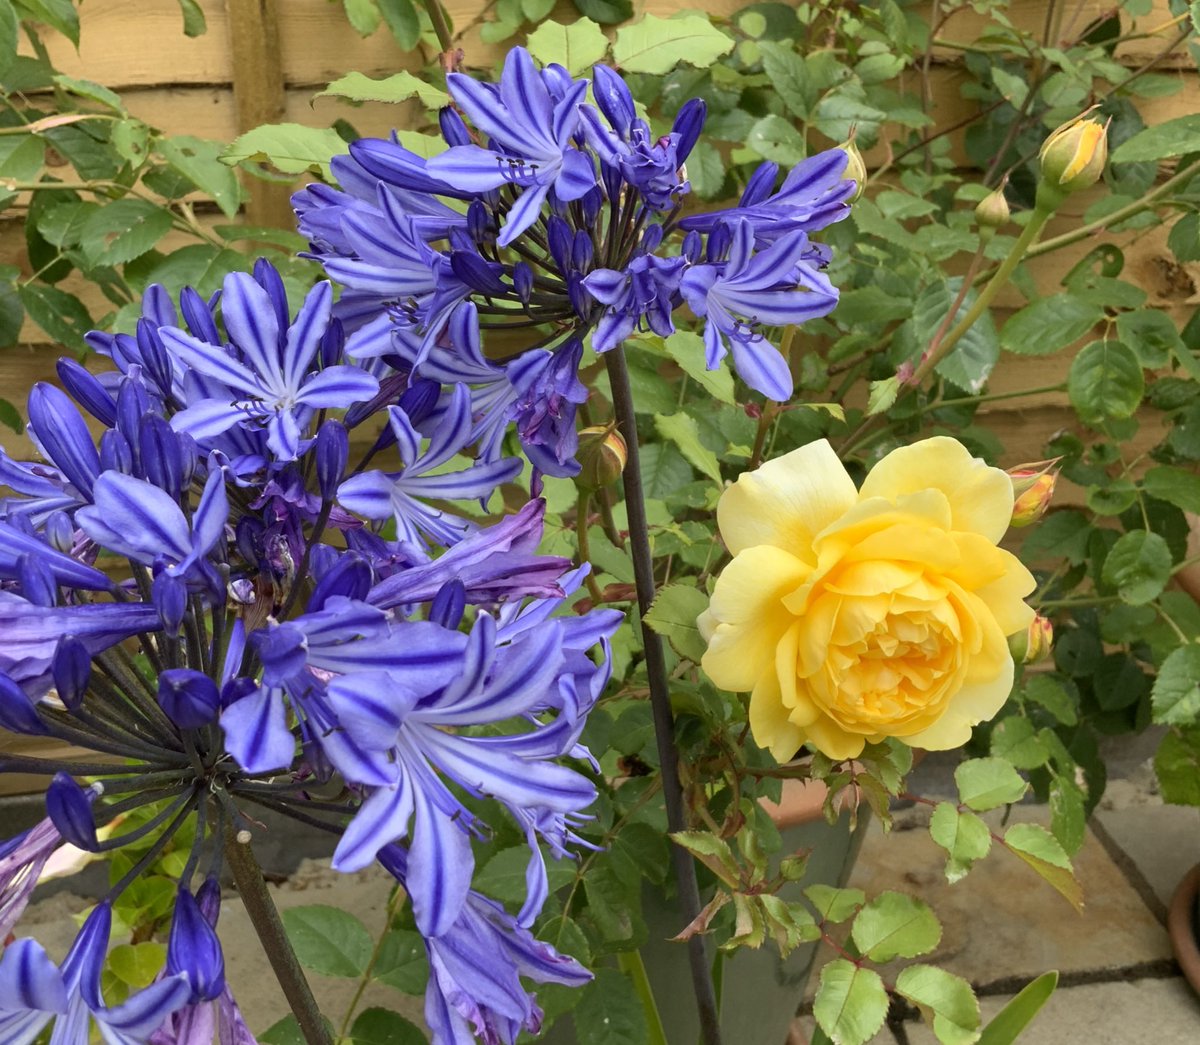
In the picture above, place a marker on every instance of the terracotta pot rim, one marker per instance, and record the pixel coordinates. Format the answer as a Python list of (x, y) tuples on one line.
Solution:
[(1181, 926)]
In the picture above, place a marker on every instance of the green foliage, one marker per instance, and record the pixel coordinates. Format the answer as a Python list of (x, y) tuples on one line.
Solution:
[(328, 940), (1008, 1024), (851, 1002)]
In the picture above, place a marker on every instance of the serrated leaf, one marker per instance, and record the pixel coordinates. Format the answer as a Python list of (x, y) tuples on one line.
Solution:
[(775, 138), (576, 47), (1138, 566), (609, 1012), (503, 876), (123, 230), (850, 1003), (882, 395), (137, 964), (93, 92), (401, 18), (285, 1032), (1176, 486), (1175, 697), (673, 615), (1042, 851), (1068, 816), (398, 87), (964, 836), (986, 783), (1049, 324), (9, 28), (788, 73), (1177, 766), (199, 160), (656, 45), (1105, 382), (290, 147), (834, 905), (947, 998), (402, 962), (687, 349), (383, 1027), (328, 940), (194, 23), (972, 359), (61, 315), (893, 925), (606, 12), (1007, 1025), (711, 851), (362, 15), (1174, 138), (682, 430)]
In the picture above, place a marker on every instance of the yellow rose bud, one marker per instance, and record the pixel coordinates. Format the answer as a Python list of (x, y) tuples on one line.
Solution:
[(1033, 488), (856, 167), (1073, 157), (992, 211), (853, 615), (1035, 643), (602, 455)]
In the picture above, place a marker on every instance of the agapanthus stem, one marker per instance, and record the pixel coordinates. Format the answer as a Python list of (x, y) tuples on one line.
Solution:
[(660, 697), (252, 888)]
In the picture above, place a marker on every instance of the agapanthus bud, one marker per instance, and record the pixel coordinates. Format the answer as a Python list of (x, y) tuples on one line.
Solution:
[(453, 129), (479, 222), (86, 390), (199, 316), (116, 455), (418, 401), (72, 671), (856, 167), (522, 278), (69, 807), (590, 205), (1033, 489), (449, 604), (1074, 155), (208, 899), (582, 251), (170, 599), (581, 300), (38, 583), (350, 577), (333, 343), (651, 239), (760, 185), (161, 455), (602, 455), (613, 98), (60, 531), (332, 453), (719, 241), (992, 211), (132, 406), (561, 240), (190, 698), (17, 713), (193, 949), (248, 536), (462, 240), (476, 273), (267, 276), (693, 246), (688, 124)]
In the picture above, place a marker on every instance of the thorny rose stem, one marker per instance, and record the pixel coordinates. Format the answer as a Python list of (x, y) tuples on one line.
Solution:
[(660, 698)]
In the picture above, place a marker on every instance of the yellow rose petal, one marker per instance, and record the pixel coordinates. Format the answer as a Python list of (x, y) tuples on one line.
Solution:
[(769, 723), (787, 501), (830, 739), (981, 497), (974, 703)]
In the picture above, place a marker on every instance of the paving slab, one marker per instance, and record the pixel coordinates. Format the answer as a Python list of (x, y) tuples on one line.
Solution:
[(1002, 921), (1161, 841), (1141, 1012)]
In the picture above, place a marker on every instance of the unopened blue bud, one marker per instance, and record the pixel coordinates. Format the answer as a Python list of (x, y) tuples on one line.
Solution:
[(350, 577), (581, 300), (190, 698), (170, 599), (60, 531), (688, 124), (199, 317), (333, 453), (581, 251), (115, 453), (591, 204), (419, 399), (522, 278), (156, 361), (560, 238), (38, 584), (17, 712), (453, 129), (333, 343), (719, 241), (72, 670), (760, 185), (449, 604), (267, 276), (69, 807), (248, 536), (194, 950), (162, 457), (614, 99), (86, 390), (651, 239), (479, 222), (482, 276)]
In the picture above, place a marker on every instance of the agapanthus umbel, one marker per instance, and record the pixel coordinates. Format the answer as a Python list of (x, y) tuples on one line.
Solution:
[(575, 230), (293, 655)]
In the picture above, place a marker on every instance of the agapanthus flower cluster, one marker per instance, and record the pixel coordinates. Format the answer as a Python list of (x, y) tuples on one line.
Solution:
[(233, 615), (291, 633)]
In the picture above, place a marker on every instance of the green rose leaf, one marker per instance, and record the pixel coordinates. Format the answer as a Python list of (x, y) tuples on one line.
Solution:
[(123, 230), (851, 1003), (503, 876), (1042, 851), (1175, 698), (834, 905), (576, 47), (894, 925), (1176, 486), (1105, 381), (199, 160), (1055, 695), (328, 940), (673, 615), (609, 1013), (285, 1032), (985, 783), (290, 147), (402, 962), (1177, 766), (687, 349), (682, 430), (656, 45), (396, 88), (788, 74), (606, 12), (777, 139), (946, 1000), (137, 964), (1151, 334), (384, 1027), (402, 20), (711, 851), (1163, 141), (61, 315), (1048, 324), (964, 836), (1138, 566)]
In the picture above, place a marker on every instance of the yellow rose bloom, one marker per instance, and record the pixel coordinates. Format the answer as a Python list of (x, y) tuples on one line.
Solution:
[(854, 615)]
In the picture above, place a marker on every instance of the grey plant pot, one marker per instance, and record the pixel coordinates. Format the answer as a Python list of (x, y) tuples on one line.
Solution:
[(759, 992)]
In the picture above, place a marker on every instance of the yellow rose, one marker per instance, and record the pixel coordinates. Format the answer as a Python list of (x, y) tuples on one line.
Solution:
[(854, 615)]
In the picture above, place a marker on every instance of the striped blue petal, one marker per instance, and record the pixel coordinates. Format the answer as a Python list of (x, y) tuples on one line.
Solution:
[(338, 387), (256, 731), (135, 519), (253, 327), (304, 335)]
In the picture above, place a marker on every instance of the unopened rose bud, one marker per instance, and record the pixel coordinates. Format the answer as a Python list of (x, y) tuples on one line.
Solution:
[(992, 211), (856, 168), (1034, 643), (602, 456), (1033, 489), (1073, 157)]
